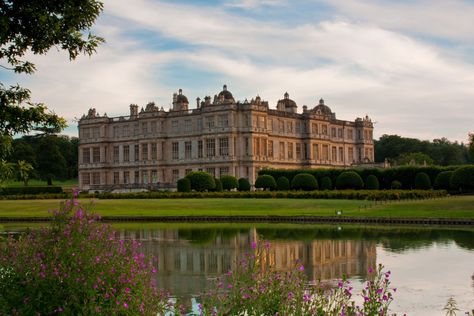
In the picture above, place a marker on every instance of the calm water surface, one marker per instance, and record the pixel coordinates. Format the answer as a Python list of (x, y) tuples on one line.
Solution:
[(428, 265)]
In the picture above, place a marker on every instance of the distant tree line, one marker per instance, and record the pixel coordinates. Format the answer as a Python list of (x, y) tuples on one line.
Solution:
[(53, 157), (402, 150)]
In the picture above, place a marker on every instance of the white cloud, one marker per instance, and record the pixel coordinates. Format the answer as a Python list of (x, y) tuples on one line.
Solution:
[(252, 4), (360, 67)]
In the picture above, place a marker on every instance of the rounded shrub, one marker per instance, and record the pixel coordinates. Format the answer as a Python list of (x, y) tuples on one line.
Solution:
[(372, 183), (201, 181), (463, 178), (244, 184), (443, 180), (229, 183), (422, 181), (265, 182), (349, 180), (184, 185), (305, 182), (326, 183), (396, 185), (218, 187), (283, 184)]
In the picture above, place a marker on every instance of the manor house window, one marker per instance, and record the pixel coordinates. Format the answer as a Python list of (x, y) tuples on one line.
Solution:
[(86, 133), (350, 134), (116, 131), (187, 125), (334, 153), (116, 153), (174, 126), (137, 177), (223, 147), (325, 152), (95, 132), (350, 154), (298, 151), (144, 128), (126, 153), (153, 127), (209, 122), (315, 151), (126, 177), (135, 129), (154, 176), (290, 150), (314, 128), (339, 133), (96, 178), (211, 171), (85, 177), (86, 155), (187, 150), (154, 151), (136, 152), (282, 150), (270, 148), (175, 150), (210, 147), (223, 121), (125, 131), (341, 154), (223, 171), (144, 152), (333, 132), (95, 154), (116, 177), (200, 149)]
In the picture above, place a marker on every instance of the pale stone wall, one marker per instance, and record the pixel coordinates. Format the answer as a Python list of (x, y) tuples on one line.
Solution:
[(155, 147)]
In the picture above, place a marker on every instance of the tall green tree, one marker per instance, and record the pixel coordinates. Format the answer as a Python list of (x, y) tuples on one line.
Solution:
[(6, 171), (35, 26), (471, 145), (51, 164), (24, 171)]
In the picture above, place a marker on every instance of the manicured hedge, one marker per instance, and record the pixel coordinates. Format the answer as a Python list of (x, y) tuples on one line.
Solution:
[(41, 196), (326, 183), (283, 184), (396, 185), (265, 182), (422, 181), (305, 182), (405, 174), (184, 185), (349, 180), (372, 183), (30, 190), (201, 181), (244, 184), (229, 183), (218, 187), (443, 180), (377, 195), (463, 179)]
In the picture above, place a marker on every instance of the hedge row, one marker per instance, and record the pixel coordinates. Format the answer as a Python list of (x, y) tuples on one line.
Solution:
[(42, 196), (405, 175), (30, 190), (377, 195)]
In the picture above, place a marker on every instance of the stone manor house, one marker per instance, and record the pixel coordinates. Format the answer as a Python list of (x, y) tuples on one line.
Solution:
[(153, 148)]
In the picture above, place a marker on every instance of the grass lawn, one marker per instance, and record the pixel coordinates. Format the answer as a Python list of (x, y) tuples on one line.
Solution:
[(452, 207), (67, 184)]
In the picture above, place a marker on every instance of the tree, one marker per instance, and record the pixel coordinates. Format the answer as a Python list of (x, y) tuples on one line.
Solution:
[(349, 180), (265, 182), (244, 184), (305, 182), (471, 145), (416, 158), (229, 183), (51, 164), (35, 26), (24, 171), (201, 181), (6, 171)]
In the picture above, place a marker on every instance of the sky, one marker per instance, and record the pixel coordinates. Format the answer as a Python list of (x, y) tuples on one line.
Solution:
[(409, 65)]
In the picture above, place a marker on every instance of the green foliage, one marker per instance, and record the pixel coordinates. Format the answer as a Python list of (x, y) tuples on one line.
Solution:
[(76, 267), (51, 164), (349, 180), (31, 190), (422, 181), (442, 151), (305, 182), (184, 185), (463, 178), (6, 171), (218, 187), (471, 146), (396, 185), (265, 182), (244, 184), (326, 183), (443, 180), (414, 158), (201, 181), (229, 183), (24, 170), (283, 184), (372, 183)]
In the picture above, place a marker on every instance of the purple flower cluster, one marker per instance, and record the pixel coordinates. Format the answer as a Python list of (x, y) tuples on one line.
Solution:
[(76, 266)]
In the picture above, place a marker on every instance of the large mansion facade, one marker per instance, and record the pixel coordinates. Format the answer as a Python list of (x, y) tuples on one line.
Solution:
[(153, 148)]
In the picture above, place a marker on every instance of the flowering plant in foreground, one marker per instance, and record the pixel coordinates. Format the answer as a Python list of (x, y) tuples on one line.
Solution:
[(76, 267), (254, 289)]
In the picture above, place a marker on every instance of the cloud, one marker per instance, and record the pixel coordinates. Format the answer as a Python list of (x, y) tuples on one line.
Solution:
[(252, 4), (360, 66)]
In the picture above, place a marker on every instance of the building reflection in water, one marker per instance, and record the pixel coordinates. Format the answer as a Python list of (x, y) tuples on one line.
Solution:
[(184, 265)]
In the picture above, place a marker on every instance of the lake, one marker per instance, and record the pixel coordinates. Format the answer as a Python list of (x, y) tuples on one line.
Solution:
[(428, 265)]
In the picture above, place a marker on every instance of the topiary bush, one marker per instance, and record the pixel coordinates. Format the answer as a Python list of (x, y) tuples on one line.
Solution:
[(396, 185), (283, 184), (184, 185), (443, 180), (305, 182), (326, 183), (218, 187), (244, 184), (372, 183), (201, 181), (463, 179), (422, 181), (229, 183), (265, 182), (349, 180)]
